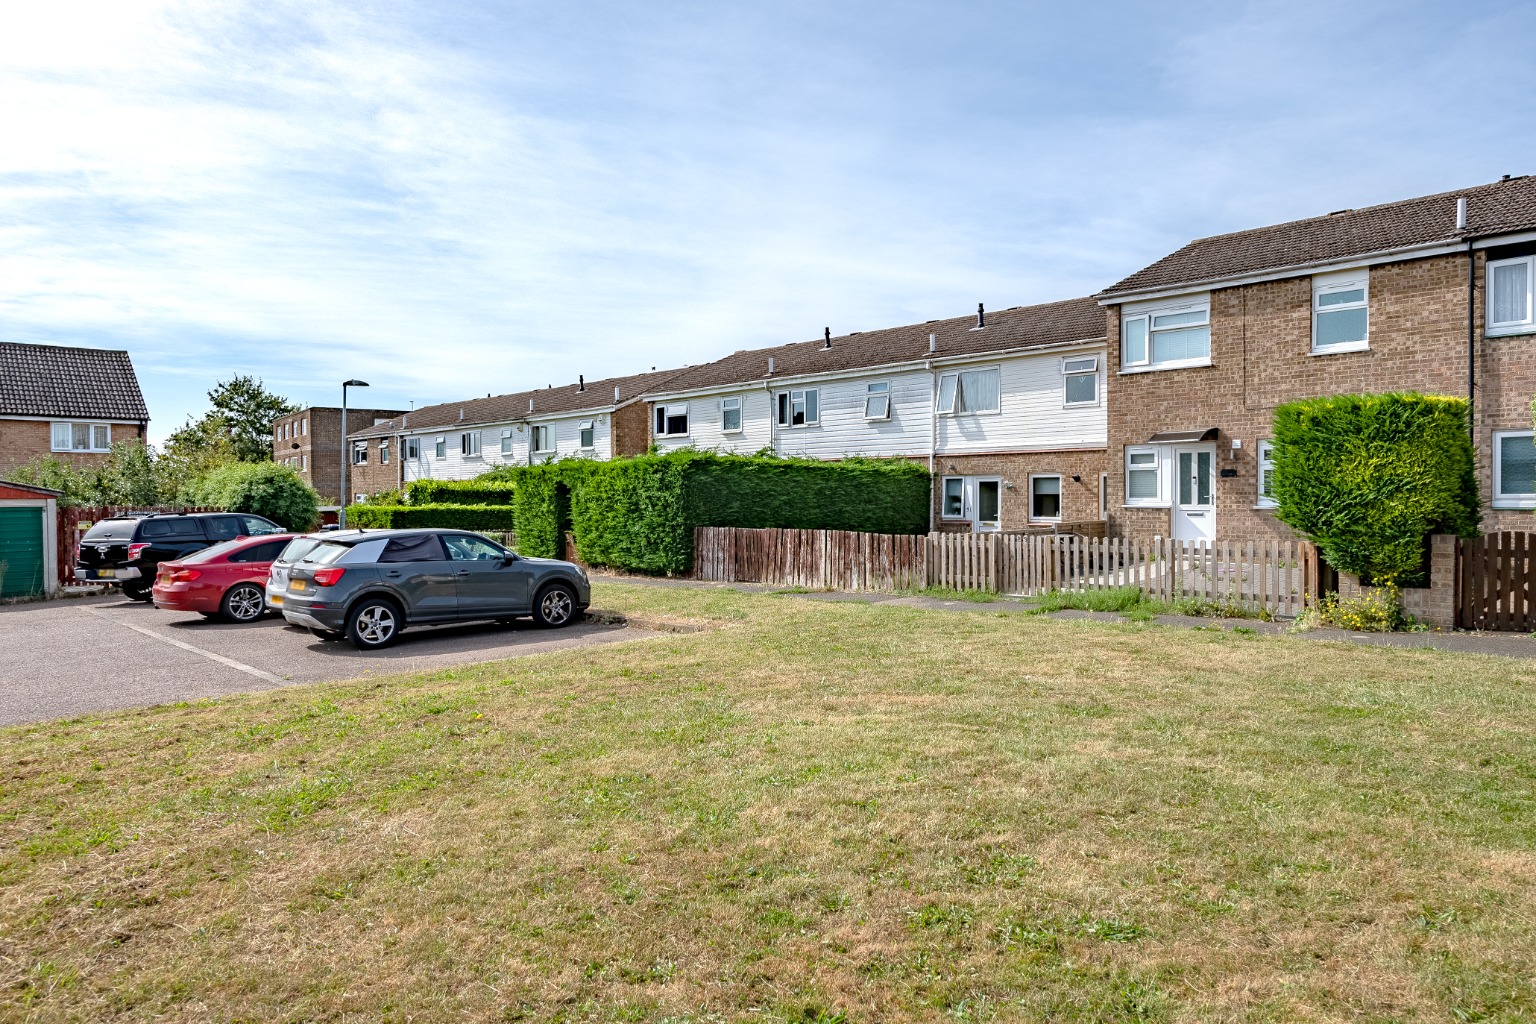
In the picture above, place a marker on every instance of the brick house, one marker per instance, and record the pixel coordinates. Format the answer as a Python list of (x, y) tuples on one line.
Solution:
[(1006, 409), (70, 403), (598, 419), (310, 441), (1210, 339)]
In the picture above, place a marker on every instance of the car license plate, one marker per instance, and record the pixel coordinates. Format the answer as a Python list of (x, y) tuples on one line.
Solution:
[(277, 599), (105, 574), (298, 585)]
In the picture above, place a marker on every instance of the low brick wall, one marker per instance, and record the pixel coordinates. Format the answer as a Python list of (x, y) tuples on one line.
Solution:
[(1434, 605)]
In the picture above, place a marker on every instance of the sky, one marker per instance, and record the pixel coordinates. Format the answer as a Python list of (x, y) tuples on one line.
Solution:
[(450, 199)]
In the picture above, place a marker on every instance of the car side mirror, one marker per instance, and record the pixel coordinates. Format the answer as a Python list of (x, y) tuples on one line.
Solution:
[(507, 560)]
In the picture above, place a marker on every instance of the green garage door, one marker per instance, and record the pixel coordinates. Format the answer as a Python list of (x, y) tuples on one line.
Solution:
[(21, 551)]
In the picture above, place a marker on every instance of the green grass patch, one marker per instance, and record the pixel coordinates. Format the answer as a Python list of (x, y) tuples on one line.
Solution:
[(1137, 605), (950, 594)]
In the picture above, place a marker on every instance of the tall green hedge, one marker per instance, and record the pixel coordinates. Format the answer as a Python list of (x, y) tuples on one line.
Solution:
[(448, 517), (459, 492), (1368, 477), (639, 513)]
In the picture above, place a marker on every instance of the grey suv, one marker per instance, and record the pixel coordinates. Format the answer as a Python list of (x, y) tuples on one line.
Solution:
[(370, 585)]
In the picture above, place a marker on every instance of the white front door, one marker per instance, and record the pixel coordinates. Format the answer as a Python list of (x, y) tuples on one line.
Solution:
[(1194, 506), (987, 504)]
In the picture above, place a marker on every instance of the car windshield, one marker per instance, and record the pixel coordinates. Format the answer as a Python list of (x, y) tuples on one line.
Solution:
[(212, 554), (298, 548), (112, 529)]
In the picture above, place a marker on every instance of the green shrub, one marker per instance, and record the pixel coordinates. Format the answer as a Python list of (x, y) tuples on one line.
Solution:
[(459, 492), (263, 488), (449, 517), (1368, 477), (1376, 610), (639, 513)]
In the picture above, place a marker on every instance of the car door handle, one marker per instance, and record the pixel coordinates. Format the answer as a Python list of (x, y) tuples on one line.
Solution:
[(462, 572), (393, 573)]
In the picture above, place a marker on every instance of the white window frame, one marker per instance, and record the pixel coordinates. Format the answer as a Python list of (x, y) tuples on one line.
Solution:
[(542, 440), (1061, 497), (1330, 284), (975, 517), (1525, 326), (732, 403), (384, 452), (1264, 454), (1159, 500), (469, 444), (1146, 314), (440, 447), (412, 448), (359, 453), (784, 407), (944, 499), (304, 462), (91, 427), (586, 435), (1079, 366), (665, 413), (877, 391), (505, 438), (957, 393), (304, 427), (1500, 499)]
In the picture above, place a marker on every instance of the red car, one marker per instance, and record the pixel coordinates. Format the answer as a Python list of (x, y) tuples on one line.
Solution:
[(227, 580)]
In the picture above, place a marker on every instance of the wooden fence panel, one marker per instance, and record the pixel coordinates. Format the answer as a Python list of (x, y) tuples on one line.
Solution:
[(1494, 580)]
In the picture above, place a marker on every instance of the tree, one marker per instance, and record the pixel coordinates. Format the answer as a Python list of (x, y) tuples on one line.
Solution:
[(128, 476), (265, 489), (244, 410), (196, 449)]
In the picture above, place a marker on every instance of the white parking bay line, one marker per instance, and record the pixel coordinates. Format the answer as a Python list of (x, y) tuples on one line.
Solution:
[(238, 666)]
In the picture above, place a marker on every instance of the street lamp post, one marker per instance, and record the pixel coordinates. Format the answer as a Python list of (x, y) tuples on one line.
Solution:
[(346, 450)]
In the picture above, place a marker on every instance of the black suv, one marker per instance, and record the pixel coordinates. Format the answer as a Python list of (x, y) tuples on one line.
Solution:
[(127, 550)]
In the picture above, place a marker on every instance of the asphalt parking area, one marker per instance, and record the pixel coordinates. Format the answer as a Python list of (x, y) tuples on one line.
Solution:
[(59, 659)]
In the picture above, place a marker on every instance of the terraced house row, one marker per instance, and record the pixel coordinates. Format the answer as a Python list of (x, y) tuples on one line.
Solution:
[(1146, 406)]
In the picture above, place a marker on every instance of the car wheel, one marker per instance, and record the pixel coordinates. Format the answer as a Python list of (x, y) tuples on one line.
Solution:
[(136, 591), (244, 602), (555, 606), (373, 623), (328, 635)]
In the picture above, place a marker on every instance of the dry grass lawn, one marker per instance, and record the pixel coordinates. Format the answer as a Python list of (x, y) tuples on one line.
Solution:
[(816, 812)]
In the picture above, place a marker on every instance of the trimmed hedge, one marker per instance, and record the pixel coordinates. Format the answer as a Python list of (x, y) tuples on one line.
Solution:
[(459, 492), (450, 517), (1368, 477), (639, 513)]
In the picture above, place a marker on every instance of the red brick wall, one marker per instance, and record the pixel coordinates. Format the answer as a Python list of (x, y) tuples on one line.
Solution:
[(1079, 499), (631, 429), (21, 441)]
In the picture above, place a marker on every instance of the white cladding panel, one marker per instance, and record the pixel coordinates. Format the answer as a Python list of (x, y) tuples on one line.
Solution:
[(705, 417), (843, 429), (566, 438), (1032, 411)]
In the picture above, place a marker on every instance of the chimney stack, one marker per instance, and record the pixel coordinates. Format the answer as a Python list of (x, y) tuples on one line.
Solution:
[(933, 343), (981, 316), (770, 366), (1461, 214), (530, 405), (615, 393), (826, 333)]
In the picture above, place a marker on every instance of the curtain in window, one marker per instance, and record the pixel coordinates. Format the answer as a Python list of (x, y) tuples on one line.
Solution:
[(978, 391), (1510, 294)]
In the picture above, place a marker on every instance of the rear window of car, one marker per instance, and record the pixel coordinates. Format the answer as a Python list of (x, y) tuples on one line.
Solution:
[(178, 527), (112, 529), (331, 553), (209, 554), (424, 547), (259, 552), (298, 548)]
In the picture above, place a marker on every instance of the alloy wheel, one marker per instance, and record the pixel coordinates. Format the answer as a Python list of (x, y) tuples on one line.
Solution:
[(376, 624), (556, 607), (246, 604)]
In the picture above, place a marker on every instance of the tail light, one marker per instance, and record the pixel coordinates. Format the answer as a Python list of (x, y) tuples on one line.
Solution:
[(330, 576), (135, 550), (184, 575)]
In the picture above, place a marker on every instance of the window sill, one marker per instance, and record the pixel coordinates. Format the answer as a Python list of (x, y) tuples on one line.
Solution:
[(1509, 332), (980, 412), (1080, 405), (1513, 504), (1147, 505), (1183, 364), (1333, 350), (1265, 508)]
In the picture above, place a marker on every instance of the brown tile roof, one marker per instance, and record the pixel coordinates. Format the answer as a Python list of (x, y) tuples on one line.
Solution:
[(54, 380), (1499, 208), (1051, 323), (507, 408)]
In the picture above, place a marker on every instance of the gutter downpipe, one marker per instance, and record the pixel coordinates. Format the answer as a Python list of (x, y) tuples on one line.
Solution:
[(933, 434), (1471, 343)]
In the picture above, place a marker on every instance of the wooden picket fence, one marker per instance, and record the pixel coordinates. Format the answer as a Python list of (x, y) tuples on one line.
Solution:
[(821, 559), (1496, 585), (1275, 576)]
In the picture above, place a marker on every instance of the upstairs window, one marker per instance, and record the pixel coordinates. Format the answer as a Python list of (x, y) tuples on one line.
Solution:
[(383, 453), (412, 448), (1514, 470), (1166, 337), (799, 408), (1510, 302), (82, 437), (970, 391), (440, 448), (469, 444), (730, 415), (1266, 475), (359, 453), (1340, 313), (543, 438), (671, 421), (588, 430), (506, 440), (1080, 380), (877, 401)]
